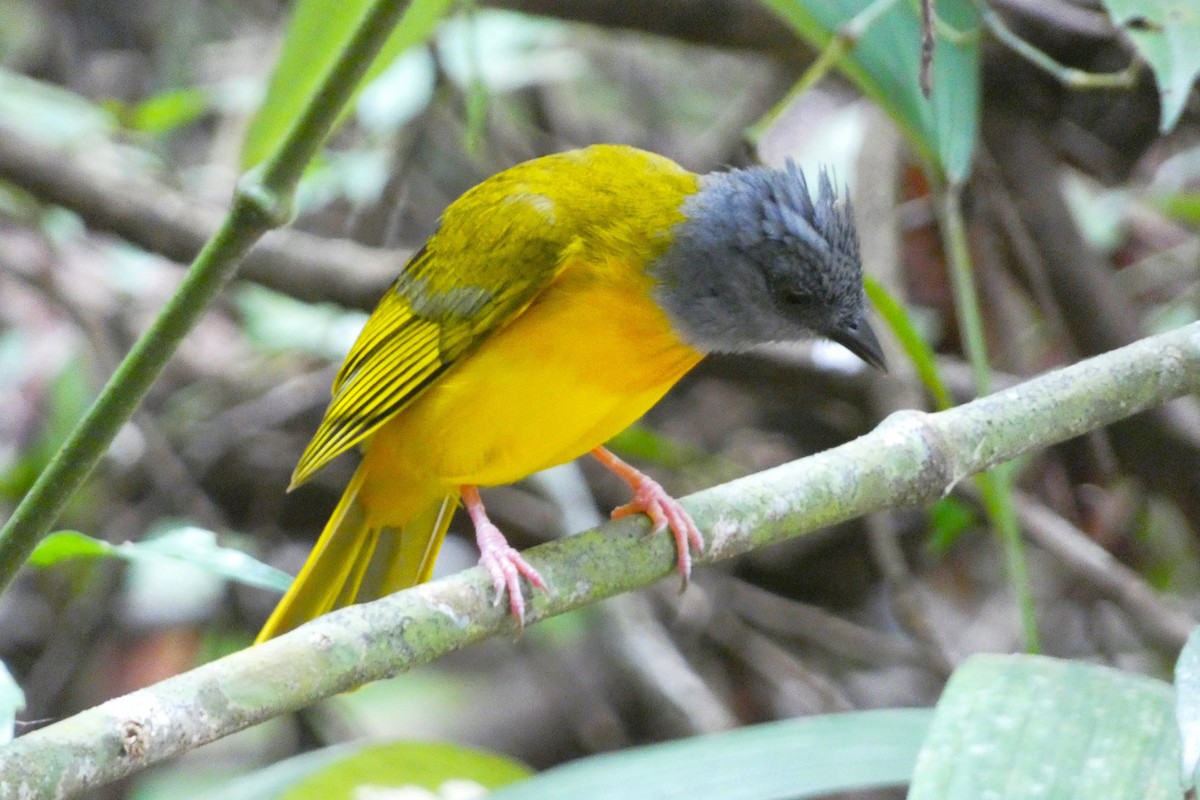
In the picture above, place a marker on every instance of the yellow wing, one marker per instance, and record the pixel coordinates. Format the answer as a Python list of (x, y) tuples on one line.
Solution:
[(424, 323), (497, 247)]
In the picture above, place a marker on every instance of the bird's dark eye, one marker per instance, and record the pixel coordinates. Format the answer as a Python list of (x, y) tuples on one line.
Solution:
[(796, 297)]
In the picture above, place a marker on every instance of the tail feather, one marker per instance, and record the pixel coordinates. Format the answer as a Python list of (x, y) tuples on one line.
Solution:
[(405, 557), (361, 561), (354, 562)]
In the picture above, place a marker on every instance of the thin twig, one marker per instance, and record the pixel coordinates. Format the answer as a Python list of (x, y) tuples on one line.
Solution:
[(818, 627), (796, 687), (677, 693), (1164, 624), (1067, 76), (841, 41), (1063, 17), (926, 73)]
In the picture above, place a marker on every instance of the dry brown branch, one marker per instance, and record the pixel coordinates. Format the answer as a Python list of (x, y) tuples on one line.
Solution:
[(164, 221)]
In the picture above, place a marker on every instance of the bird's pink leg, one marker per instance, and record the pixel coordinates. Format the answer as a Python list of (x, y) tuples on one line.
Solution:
[(651, 499), (501, 560)]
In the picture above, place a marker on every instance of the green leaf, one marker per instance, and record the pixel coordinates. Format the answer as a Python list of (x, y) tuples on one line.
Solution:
[(1029, 726), (1187, 708), (792, 759), (315, 37), (1167, 34), (12, 700), (948, 519), (62, 545), (443, 768), (166, 111), (885, 64), (1183, 206), (643, 444), (198, 547), (48, 113), (381, 769), (187, 544), (271, 782), (915, 347)]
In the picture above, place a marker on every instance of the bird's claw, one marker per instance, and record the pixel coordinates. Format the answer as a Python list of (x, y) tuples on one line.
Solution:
[(664, 511)]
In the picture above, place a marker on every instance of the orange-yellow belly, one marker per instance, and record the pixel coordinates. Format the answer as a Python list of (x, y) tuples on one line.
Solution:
[(586, 359)]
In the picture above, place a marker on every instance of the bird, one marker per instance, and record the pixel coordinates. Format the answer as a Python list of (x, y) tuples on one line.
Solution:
[(554, 304)]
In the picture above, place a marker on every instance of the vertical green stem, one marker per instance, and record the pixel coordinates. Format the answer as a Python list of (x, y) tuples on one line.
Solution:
[(966, 296), (995, 485), (119, 398), (262, 201)]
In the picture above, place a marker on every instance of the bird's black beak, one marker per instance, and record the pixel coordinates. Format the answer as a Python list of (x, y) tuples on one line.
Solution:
[(860, 340)]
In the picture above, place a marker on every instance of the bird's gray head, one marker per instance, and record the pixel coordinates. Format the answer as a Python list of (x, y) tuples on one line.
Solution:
[(758, 259)]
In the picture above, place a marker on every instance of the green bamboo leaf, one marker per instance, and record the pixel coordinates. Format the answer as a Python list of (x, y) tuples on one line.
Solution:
[(378, 769), (885, 63), (1024, 726), (1167, 34), (915, 347), (63, 545), (198, 547), (315, 37), (188, 544), (167, 111), (446, 769), (1183, 206), (788, 760)]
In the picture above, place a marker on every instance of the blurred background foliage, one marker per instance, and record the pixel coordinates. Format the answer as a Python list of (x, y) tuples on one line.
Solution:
[(1081, 204)]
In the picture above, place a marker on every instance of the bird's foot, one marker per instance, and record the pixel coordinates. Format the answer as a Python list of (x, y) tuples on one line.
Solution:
[(502, 561), (651, 499)]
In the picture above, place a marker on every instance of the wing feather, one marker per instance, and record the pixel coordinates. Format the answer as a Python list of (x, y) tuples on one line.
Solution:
[(425, 322), (402, 356), (498, 246)]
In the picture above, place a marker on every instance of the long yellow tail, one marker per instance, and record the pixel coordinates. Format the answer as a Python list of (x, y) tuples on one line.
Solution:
[(353, 562)]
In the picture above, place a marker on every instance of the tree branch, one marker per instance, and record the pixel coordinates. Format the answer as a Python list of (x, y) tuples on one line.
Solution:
[(910, 458), (164, 221)]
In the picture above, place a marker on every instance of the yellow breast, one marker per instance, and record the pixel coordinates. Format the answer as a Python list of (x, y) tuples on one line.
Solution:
[(586, 359)]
